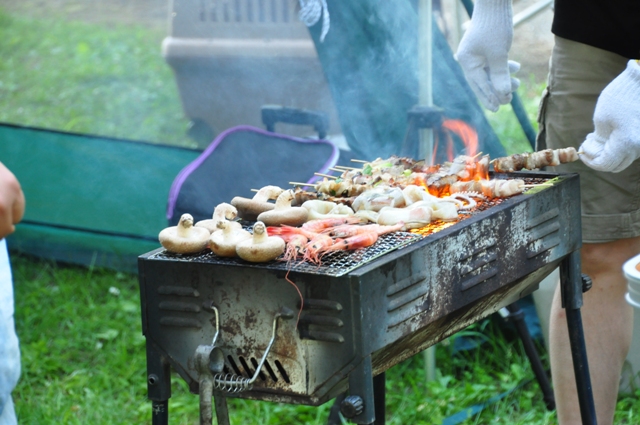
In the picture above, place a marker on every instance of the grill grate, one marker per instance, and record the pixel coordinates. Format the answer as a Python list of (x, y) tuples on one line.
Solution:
[(342, 262), (333, 264)]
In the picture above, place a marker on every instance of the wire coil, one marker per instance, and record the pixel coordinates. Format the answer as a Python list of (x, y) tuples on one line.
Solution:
[(231, 383)]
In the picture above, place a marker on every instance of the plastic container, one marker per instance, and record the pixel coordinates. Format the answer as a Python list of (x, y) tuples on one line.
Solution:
[(230, 57), (631, 271)]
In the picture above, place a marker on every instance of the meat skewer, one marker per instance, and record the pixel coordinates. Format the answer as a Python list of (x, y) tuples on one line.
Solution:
[(533, 160), (490, 188)]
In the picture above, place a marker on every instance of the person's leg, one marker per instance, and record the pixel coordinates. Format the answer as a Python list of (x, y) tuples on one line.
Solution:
[(9, 349), (607, 320), (610, 230)]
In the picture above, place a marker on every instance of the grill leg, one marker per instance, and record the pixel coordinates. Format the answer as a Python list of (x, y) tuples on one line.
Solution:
[(517, 315), (571, 290), (379, 396), (361, 401), (158, 385)]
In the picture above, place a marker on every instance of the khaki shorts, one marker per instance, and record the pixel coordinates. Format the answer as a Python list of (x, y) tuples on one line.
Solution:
[(577, 75)]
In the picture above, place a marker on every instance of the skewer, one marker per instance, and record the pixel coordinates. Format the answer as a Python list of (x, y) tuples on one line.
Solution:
[(360, 161), (336, 169), (580, 152), (341, 167), (476, 155), (329, 176), (303, 184), (537, 184)]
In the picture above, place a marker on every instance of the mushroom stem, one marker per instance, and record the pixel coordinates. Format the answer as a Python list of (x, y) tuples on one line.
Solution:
[(284, 200), (266, 193), (184, 226), (260, 234)]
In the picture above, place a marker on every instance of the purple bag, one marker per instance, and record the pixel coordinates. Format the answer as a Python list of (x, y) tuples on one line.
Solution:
[(244, 158)]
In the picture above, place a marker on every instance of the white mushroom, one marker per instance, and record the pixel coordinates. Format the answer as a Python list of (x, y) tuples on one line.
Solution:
[(249, 209), (222, 212), (223, 243), (184, 238), (261, 247), (284, 213)]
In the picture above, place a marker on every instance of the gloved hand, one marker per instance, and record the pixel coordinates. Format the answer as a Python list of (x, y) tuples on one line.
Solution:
[(615, 143), (483, 53)]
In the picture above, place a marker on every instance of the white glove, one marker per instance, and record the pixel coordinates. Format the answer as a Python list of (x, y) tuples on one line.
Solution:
[(615, 143), (483, 53)]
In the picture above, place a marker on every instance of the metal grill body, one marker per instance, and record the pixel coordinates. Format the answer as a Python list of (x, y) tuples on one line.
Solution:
[(356, 322)]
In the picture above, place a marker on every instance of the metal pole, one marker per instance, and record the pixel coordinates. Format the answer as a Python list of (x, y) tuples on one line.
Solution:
[(425, 73), (425, 97)]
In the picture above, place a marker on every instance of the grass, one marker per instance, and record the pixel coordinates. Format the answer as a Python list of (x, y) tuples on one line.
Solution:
[(96, 79)]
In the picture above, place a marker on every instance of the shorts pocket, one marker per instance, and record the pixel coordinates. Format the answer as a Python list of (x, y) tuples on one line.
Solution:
[(541, 139)]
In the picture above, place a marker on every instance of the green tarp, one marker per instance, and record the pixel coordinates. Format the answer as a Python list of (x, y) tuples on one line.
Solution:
[(90, 200)]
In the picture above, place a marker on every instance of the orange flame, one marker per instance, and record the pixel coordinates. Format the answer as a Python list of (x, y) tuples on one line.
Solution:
[(465, 132)]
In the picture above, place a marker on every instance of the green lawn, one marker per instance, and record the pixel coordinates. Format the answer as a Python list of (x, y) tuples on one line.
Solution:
[(88, 78)]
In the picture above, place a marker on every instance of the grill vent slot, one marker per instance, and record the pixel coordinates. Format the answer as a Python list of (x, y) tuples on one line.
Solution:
[(324, 320), (479, 266), (180, 322), (241, 367), (544, 232), (405, 298), (180, 291)]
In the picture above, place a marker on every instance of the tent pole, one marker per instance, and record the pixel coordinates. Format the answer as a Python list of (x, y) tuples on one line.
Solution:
[(425, 98), (425, 73)]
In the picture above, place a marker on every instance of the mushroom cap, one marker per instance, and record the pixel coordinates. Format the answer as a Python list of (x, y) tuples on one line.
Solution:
[(292, 216), (211, 224), (260, 248), (249, 209), (223, 243), (184, 238)]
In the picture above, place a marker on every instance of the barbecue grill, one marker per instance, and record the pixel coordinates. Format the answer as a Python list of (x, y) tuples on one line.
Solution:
[(230, 328)]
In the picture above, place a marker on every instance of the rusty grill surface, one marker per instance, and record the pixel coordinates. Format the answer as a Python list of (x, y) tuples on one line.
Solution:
[(364, 311)]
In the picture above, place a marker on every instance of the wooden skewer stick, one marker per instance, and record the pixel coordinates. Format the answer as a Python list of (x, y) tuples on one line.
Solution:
[(360, 161), (336, 169), (537, 184), (329, 176), (303, 184), (580, 152), (476, 155), (341, 167), (254, 190)]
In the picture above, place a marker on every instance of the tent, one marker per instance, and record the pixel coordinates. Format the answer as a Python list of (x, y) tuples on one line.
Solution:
[(90, 200)]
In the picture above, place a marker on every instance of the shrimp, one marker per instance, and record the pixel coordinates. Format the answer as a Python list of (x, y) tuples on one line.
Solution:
[(295, 247), (289, 231), (317, 226), (315, 247), (362, 240)]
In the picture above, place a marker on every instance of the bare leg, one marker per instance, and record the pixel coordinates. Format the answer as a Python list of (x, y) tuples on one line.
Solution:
[(608, 323)]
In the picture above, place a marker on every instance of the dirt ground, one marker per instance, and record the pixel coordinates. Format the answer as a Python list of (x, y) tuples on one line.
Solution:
[(531, 46)]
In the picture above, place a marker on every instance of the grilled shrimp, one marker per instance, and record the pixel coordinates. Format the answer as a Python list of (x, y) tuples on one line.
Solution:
[(317, 226), (314, 249), (295, 247), (362, 240)]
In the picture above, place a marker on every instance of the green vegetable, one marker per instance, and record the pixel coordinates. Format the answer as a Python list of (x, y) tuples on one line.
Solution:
[(367, 170)]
